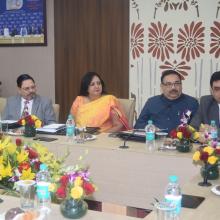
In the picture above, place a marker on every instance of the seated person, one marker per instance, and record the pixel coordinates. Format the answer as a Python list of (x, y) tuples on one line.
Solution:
[(28, 102), (166, 110), (209, 106), (94, 108)]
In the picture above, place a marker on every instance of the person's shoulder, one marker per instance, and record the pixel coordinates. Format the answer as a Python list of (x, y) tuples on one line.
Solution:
[(42, 98), (190, 98), (206, 98), (154, 99), (13, 98)]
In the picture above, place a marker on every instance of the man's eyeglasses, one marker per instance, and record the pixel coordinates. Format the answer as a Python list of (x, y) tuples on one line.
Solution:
[(170, 85), (29, 88), (216, 89)]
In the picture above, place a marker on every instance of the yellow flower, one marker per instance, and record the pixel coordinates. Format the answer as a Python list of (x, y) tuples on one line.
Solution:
[(38, 123), (5, 171), (11, 148), (76, 192), (27, 175), (23, 122), (196, 156), (4, 142), (52, 187), (1, 159), (179, 134), (191, 129), (34, 117), (212, 160), (195, 135), (209, 150), (22, 156), (78, 181)]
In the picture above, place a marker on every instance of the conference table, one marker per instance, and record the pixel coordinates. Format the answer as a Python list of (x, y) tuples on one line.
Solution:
[(133, 177), (127, 177)]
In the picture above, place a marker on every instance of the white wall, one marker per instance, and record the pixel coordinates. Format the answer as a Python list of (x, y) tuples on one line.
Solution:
[(145, 68), (36, 61)]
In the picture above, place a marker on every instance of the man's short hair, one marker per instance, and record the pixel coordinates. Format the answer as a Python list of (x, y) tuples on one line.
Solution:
[(23, 77), (215, 77), (169, 72)]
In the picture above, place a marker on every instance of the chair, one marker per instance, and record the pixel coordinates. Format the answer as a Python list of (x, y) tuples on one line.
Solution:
[(2, 104), (128, 106), (56, 108)]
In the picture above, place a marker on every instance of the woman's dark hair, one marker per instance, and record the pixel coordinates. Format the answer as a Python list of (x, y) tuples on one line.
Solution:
[(215, 77), (85, 82), (23, 77)]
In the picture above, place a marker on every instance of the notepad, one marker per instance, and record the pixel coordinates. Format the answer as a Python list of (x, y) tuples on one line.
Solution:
[(52, 128)]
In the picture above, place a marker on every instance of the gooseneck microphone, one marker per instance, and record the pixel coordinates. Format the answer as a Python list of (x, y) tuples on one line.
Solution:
[(125, 146)]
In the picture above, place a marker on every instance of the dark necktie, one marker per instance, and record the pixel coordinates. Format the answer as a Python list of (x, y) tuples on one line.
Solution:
[(25, 109)]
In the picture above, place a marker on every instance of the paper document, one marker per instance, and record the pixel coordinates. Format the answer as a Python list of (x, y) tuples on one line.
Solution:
[(52, 128)]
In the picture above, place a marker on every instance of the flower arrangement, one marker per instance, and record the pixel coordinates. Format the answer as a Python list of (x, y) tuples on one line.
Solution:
[(19, 161), (207, 155), (30, 120), (74, 183), (184, 133)]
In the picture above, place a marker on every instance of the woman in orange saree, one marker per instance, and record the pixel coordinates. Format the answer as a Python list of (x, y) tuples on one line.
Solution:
[(94, 108)]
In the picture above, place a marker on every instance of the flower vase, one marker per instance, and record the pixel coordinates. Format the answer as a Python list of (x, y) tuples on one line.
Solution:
[(205, 176), (213, 172), (73, 209), (29, 131), (184, 146)]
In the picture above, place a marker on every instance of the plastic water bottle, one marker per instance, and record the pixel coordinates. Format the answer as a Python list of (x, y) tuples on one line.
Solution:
[(43, 194), (70, 128), (150, 135), (213, 131), (173, 194)]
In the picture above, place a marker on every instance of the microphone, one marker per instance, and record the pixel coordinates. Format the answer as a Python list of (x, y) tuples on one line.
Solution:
[(124, 146)]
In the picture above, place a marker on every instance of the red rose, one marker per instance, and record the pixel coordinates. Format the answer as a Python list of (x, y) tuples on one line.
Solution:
[(204, 156), (61, 192), (37, 165), (217, 151), (32, 154), (18, 142), (173, 133), (88, 187), (64, 180), (23, 166)]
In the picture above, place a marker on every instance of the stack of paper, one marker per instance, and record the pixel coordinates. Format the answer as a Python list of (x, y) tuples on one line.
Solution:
[(52, 128)]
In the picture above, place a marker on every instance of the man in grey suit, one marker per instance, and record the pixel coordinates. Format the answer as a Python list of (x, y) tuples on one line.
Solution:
[(209, 107), (28, 102)]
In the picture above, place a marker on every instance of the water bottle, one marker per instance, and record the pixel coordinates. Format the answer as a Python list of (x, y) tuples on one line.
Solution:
[(150, 135), (70, 128), (173, 194), (43, 194), (213, 131)]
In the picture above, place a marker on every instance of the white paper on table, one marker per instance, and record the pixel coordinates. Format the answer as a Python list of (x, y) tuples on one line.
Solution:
[(52, 128)]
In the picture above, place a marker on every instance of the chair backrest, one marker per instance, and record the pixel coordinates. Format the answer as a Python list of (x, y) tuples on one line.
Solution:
[(2, 104), (128, 106), (56, 108)]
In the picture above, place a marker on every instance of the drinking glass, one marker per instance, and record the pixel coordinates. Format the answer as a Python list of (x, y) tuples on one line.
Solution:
[(27, 193), (80, 135), (161, 138), (166, 211)]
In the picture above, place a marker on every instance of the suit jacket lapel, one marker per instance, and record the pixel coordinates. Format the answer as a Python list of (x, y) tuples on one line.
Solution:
[(35, 105), (18, 107), (215, 113)]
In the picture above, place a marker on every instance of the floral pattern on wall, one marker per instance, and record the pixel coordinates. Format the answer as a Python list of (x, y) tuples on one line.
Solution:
[(191, 41), (183, 35), (215, 39), (160, 41)]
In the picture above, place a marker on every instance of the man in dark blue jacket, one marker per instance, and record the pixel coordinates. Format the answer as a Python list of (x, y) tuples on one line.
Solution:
[(166, 110)]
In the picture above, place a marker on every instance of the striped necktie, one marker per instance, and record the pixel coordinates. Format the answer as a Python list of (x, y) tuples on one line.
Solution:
[(25, 109)]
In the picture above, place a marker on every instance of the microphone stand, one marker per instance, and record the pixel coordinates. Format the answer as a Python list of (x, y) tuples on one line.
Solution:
[(124, 146)]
